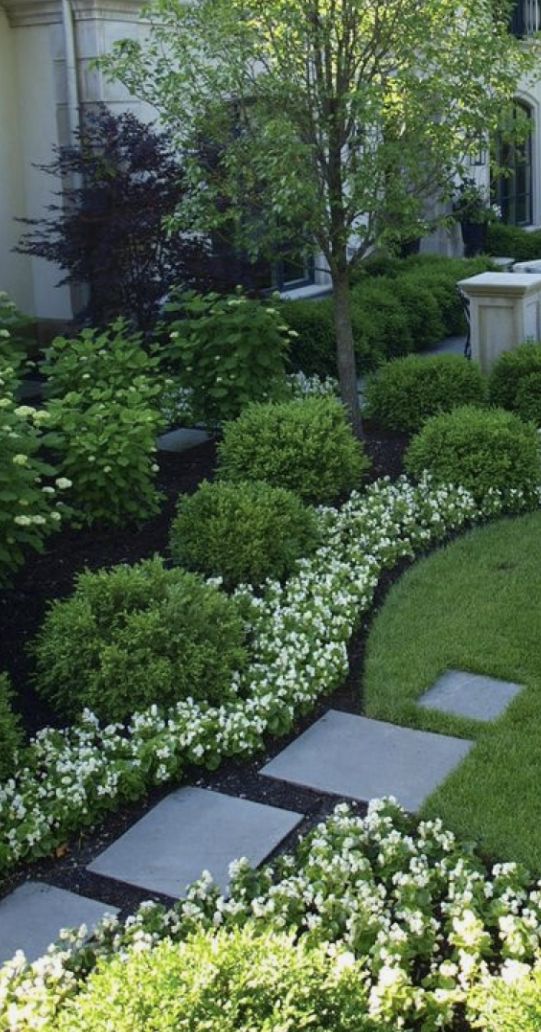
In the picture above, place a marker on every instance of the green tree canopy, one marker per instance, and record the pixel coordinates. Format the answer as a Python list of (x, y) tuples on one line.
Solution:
[(330, 122)]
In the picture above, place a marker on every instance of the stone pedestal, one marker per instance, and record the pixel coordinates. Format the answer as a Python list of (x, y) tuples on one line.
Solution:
[(504, 312)]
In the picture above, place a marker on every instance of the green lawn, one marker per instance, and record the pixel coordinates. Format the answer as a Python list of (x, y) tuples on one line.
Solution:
[(474, 605)]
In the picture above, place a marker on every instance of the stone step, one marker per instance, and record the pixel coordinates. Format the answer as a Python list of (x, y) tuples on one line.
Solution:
[(347, 755), (32, 917), (474, 696), (181, 440), (193, 830)]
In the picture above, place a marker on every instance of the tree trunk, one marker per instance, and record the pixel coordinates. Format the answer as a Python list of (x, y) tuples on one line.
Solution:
[(345, 352)]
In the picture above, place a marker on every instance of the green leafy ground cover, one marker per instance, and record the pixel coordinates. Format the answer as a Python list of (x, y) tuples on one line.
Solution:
[(474, 605)]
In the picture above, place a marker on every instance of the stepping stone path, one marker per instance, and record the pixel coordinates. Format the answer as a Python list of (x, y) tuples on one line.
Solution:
[(32, 916), (470, 695), (347, 755), (190, 831)]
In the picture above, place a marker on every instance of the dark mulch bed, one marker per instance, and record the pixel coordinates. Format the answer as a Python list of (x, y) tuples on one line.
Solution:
[(51, 576)]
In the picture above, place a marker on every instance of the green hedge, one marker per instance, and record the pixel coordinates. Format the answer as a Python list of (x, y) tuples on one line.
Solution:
[(398, 306), (513, 242)]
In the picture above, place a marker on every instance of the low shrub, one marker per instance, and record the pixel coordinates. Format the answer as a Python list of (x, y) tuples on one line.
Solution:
[(513, 242), (508, 373), (528, 398), (229, 352), (402, 394), (237, 981), (133, 636), (381, 324), (29, 509), (111, 358), (508, 1003), (480, 449), (305, 446), (11, 736), (243, 532)]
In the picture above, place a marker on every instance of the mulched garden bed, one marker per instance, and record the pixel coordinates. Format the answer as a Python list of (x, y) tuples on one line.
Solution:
[(51, 575)]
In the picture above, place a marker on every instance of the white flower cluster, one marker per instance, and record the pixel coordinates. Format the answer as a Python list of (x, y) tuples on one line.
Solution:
[(298, 632), (425, 919), (303, 386), (176, 401)]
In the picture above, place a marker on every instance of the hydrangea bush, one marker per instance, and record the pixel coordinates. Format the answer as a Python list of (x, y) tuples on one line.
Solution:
[(298, 633), (104, 416), (29, 496), (421, 923)]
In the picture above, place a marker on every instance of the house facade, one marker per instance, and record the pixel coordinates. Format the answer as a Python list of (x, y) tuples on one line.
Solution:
[(47, 82)]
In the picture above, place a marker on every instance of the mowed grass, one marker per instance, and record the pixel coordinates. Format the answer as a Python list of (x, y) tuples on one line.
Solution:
[(474, 605)]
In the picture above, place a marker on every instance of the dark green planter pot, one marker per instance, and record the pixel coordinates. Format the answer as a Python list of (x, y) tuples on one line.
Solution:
[(474, 235)]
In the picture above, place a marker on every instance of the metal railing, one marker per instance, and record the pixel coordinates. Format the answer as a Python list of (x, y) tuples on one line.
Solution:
[(526, 19)]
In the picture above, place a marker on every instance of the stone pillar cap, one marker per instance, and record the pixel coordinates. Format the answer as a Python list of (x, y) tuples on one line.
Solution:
[(503, 283)]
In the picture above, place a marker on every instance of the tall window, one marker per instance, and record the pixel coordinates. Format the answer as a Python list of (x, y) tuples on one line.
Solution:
[(526, 18), (512, 189)]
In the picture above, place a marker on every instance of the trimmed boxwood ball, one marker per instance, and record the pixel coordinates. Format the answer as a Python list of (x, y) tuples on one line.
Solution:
[(478, 449), (136, 635), (306, 446), (243, 532), (11, 736), (402, 394), (507, 376), (240, 981)]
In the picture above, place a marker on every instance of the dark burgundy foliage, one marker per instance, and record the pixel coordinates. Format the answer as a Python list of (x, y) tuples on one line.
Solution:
[(108, 232)]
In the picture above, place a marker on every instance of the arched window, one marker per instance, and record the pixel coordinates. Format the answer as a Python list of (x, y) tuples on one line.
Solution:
[(512, 189)]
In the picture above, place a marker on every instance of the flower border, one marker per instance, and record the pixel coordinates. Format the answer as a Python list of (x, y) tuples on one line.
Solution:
[(67, 779)]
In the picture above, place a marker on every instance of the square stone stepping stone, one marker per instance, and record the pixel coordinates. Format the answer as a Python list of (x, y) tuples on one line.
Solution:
[(181, 440), (363, 759), (190, 831), (470, 695), (32, 916)]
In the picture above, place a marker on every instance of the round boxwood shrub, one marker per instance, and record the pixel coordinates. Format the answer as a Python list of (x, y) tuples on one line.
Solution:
[(306, 446), (11, 736), (137, 635), (222, 982), (528, 398), (245, 531), (508, 373), (478, 449), (402, 394)]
